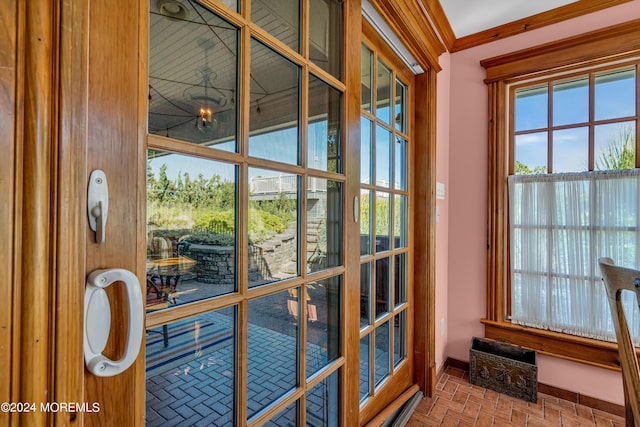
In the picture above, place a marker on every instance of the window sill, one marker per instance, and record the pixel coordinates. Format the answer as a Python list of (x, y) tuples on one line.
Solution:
[(577, 349)]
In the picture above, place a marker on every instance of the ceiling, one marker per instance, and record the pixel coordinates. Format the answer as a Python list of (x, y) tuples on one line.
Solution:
[(467, 23), (469, 17)]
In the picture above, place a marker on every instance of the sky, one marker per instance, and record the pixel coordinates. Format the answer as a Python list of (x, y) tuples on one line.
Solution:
[(614, 98)]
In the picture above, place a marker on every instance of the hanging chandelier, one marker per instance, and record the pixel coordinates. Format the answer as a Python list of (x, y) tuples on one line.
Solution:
[(204, 97)]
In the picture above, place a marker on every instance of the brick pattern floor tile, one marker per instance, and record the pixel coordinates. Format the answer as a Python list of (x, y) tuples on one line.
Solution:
[(458, 403)]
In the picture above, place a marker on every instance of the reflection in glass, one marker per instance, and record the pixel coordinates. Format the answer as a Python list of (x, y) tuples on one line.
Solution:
[(193, 75), (401, 107), (365, 294), (274, 108), (287, 417), (399, 338), (400, 221), (383, 93), (192, 355), (531, 108), (571, 102), (273, 226), (382, 354), (531, 153), (365, 364), (191, 229), (281, 19), (323, 323), (325, 35), (324, 126), (367, 78), (615, 95), (324, 224), (615, 146), (400, 279), (323, 402), (400, 170), (366, 152), (383, 157), (272, 348), (383, 222), (365, 222), (383, 285), (571, 150)]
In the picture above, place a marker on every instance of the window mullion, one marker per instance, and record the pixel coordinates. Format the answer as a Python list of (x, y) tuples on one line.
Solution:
[(592, 117)]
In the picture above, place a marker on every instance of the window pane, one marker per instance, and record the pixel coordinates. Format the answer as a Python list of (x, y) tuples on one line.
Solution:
[(399, 338), (401, 107), (615, 146), (382, 355), (531, 153), (365, 366), (571, 102), (324, 126), (400, 221), (383, 92), (193, 75), (365, 151), (365, 294), (272, 348), (324, 224), (273, 226), (281, 19), (571, 150), (400, 279), (323, 402), (383, 222), (531, 108), (274, 115), (191, 229), (400, 169), (615, 95), (365, 222), (323, 323), (288, 417), (383, 285), (325, 35), (185, 357), (366, 78), (383, 157)]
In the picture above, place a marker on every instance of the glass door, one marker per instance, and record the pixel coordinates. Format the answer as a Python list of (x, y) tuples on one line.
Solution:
[(386, 306), (245, 270)]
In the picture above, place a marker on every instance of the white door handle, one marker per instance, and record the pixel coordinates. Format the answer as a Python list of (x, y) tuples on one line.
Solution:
[(97, 321)]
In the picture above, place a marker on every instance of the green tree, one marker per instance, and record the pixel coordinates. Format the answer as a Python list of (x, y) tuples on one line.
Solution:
[(522, 169), (620, 152)]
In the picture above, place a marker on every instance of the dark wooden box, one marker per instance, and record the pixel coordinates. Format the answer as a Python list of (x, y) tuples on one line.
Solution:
[(505, 368)]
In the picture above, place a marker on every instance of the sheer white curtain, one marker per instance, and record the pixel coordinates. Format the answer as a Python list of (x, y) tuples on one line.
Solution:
[(560, 225)]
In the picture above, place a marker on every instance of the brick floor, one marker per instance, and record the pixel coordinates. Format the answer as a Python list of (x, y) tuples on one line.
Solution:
[(458, 403)]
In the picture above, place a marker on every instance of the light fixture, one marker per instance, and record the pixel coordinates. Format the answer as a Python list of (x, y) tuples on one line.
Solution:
[(205, 98), (172, 9)]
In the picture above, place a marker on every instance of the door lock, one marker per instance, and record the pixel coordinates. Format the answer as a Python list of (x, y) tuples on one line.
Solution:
[(98, 203)]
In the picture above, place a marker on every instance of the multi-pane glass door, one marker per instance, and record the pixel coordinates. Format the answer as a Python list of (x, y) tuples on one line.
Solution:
[(245, 196), (385, 302)]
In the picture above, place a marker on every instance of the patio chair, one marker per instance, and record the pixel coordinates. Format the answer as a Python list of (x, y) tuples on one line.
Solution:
[(616, 280)]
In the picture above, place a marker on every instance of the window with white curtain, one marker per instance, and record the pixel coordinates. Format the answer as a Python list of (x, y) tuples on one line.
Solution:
[(560, 225), (574, 196)]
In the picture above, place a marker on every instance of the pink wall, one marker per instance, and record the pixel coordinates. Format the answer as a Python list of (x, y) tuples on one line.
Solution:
[(442, 224), (462, 162)]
